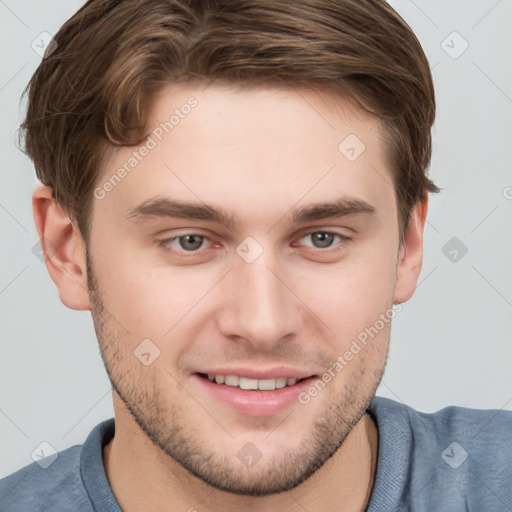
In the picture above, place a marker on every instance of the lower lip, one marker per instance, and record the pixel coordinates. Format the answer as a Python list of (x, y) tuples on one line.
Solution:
[(255, 402)]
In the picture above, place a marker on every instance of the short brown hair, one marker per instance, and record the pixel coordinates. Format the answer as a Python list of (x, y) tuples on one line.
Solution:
[(111, 58)]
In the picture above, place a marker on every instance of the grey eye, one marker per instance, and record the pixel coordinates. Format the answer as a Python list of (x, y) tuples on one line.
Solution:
[(322, 239), (191, 242)]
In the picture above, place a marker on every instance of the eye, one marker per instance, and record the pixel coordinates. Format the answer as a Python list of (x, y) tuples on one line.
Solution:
[(188, 243), (323, 239), (192, 243)]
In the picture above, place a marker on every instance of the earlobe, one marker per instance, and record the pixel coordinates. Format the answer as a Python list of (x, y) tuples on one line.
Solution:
[(410, 258), (63, 248)]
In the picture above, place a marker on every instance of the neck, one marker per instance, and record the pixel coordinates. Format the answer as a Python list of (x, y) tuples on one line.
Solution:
[(143, 478)]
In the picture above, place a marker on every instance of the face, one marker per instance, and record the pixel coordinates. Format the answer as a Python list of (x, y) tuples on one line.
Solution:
[(250, 238)]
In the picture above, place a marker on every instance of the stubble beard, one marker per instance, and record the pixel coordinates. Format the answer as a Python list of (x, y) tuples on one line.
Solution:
[(166, 425)]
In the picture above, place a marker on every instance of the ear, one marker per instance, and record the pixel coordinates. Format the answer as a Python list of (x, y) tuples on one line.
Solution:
[(63, 248), (410, 256)]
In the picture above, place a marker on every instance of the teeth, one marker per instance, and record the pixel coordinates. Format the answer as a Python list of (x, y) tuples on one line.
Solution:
[(231, 380), (280, 382), (265, 384), (245, 383)]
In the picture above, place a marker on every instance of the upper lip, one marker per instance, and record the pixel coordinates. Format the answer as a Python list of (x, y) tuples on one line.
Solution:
[(260, 374)]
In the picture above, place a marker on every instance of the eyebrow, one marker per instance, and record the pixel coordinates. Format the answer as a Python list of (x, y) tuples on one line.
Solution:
[(170, 208)]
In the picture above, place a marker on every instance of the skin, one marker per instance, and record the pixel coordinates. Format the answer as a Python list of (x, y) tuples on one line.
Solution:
[(258, 154)]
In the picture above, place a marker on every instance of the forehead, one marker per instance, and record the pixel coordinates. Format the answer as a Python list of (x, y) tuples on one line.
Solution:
[(253, 150)]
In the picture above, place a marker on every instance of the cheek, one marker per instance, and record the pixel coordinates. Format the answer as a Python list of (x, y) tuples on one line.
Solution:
[(152, 301), (350, 296)]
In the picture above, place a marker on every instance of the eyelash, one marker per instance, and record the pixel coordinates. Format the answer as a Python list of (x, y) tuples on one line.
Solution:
[(185, 254)]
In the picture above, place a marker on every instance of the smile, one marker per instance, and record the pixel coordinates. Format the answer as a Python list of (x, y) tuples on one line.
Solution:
[(251, 384)]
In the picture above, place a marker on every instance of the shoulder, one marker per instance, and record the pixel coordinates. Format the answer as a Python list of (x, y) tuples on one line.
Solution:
[(57, 482), (458, 458), (36, 488), (482, 437), (477, 425)]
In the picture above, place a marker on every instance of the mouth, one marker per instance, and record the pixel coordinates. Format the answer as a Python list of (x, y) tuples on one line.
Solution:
[(252, 397), (249, 384)]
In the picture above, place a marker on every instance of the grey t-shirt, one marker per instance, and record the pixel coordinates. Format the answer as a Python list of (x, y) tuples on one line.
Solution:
[(457, 459)]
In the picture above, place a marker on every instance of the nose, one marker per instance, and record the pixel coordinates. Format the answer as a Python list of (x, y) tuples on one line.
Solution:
[(260, 307)]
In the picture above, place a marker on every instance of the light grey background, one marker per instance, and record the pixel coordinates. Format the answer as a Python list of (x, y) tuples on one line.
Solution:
[(450, 344)]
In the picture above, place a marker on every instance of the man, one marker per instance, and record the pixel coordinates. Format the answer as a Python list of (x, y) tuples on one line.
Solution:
[(237, 191)]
